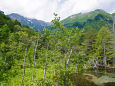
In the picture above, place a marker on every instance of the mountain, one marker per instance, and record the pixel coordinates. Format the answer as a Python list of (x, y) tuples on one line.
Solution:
[(32, 23), (90, 20)]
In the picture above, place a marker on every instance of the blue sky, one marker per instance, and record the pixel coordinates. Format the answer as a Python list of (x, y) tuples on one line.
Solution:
[(44, 9)]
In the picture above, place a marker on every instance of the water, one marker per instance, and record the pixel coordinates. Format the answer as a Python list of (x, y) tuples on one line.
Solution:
[(94, 78), (86, 78)]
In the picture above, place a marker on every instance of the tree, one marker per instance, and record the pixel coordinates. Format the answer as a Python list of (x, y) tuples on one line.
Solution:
[(103, 46), (67, 40), (35, 51), (113, 62)]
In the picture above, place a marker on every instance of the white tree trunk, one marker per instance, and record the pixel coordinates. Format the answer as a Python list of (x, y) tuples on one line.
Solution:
[(45, 63), (65, 70), (76, 68), (24, 65), (69, 58), (104, 59), (36, 45), (5, 60), (113, 60)]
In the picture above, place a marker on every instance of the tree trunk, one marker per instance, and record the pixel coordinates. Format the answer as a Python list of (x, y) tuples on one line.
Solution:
[(104, 59), (66, 66), (69, 58), (96, 63), (45, 63), (113, 60), (24, 65), (34, 57), (76, 71), (65, 70), (76, 68), (5, 60)]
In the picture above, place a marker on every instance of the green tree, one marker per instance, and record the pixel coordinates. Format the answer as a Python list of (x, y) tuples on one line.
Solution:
[(103, 46)]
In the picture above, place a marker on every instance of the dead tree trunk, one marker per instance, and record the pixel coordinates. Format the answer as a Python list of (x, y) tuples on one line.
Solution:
[(45, 67), (36, 45), (24, 65)]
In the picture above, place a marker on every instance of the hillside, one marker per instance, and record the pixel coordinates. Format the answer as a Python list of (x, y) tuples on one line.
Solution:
[(94, 19)]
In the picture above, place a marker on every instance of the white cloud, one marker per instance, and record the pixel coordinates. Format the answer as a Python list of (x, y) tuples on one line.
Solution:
[(44, 9)]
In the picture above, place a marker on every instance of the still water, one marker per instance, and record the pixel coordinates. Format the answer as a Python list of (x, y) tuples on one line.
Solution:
[(94, 78)]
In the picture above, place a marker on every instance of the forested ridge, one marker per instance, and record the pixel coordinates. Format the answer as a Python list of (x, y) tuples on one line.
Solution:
[(51, 58)]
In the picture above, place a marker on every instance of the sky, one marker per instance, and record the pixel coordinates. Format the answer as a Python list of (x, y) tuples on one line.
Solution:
[(44, 9)]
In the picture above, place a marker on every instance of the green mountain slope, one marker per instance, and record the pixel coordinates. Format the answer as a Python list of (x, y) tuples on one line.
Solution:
[(94, 19)]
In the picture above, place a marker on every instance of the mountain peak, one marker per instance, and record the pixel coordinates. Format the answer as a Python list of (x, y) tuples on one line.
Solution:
[(99, 10), (32, 23)]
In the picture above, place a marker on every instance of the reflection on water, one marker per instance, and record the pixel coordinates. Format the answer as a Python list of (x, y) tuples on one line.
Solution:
[(109, 84), (94, 78)]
